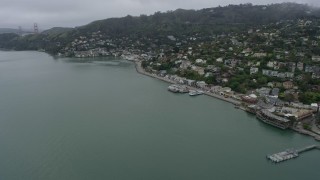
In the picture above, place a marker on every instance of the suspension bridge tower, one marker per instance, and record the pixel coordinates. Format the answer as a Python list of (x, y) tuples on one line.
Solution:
[(35, 28)]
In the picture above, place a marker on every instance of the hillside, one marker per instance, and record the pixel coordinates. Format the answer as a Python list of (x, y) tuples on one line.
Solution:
[(205, 22), (56, 31)]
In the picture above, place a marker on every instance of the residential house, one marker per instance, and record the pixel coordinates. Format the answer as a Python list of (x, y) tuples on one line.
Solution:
[(172, 38), (281, 75), (289, 75), (200, 61), (288, 85), (316, 75), (299, 77), (245, 51), (263, 91), (270, 84), (278, 84), (271, 64), (259, 55), (309, 69), (219, 59), (178, 62), (292, 66), (315, 58), (254, 70), (274, 73), (163, 73), (231, 62), (275, 92), (300, 66), (251, 99), (190, 82), (201, 84), (225, 80), (208, 74), (185, 64), (226, 91), (199, 70)]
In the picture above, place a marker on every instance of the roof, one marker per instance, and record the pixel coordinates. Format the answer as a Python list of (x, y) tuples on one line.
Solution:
[(273, 116), (253, 96)]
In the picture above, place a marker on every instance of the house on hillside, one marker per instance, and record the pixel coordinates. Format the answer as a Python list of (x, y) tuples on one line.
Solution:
[(254, 70), (288, 85)]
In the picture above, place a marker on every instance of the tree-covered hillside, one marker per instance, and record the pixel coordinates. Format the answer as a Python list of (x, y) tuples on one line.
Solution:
[(205, 22)]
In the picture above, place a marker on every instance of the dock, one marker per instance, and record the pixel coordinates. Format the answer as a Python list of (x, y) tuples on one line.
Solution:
[(290, 154), (308, 148)]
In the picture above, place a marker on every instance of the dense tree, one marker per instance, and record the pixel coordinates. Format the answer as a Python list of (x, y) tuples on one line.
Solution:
[(309, 97)]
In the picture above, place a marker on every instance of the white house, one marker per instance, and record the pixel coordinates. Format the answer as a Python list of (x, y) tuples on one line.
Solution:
[(254, 70), (200, 61), (219, 59)]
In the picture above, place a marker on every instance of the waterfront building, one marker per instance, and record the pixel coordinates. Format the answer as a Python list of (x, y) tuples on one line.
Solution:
[(251, 99), (272, 119)]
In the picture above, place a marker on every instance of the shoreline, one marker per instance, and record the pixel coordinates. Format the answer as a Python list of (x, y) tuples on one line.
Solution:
[(140, 70), (306, 133)]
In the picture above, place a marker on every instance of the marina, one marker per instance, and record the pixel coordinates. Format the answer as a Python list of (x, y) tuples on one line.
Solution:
[(184, 89), (140, 70), (290, 154)]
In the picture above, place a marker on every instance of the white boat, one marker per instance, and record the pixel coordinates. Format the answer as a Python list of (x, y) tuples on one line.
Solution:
[(199, 92), (173, 88), (178, 89), (195, 92)]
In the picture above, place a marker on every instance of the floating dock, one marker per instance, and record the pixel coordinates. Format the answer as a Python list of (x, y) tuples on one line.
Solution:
[(290, 154)]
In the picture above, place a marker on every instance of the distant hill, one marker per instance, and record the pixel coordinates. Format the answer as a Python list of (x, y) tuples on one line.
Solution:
[(208, 20), (56, 31), (180, 22), (8, 30)]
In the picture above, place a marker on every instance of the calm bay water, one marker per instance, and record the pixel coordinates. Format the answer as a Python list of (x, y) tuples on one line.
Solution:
[(68, 119)]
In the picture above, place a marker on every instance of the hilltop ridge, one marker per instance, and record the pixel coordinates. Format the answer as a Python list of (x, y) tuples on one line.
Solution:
[(208, 21)]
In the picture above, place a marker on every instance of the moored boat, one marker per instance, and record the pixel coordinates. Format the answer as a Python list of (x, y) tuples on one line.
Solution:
[(178, 89), (195, 92)]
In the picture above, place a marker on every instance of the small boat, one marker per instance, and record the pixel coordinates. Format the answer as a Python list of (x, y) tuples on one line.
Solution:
[(173, 88), (183, 89), (178, 88), (195, 92), (199, 92)]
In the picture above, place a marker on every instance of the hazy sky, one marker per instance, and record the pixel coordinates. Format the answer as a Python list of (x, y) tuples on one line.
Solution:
[(70, 13)]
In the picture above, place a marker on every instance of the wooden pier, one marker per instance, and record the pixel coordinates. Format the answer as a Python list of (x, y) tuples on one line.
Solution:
[(308, 148), (290, 154)]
